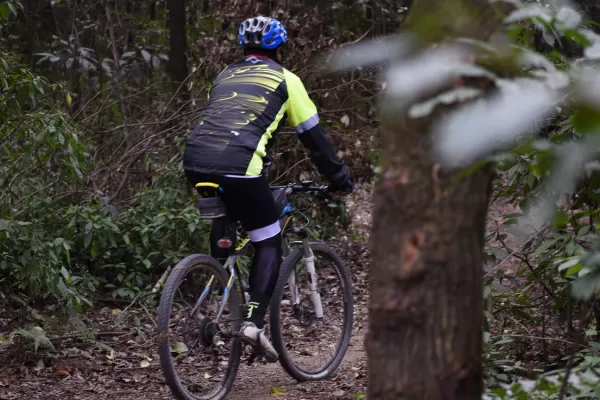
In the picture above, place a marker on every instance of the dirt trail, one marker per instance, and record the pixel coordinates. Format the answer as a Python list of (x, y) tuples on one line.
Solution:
[(259, 381)]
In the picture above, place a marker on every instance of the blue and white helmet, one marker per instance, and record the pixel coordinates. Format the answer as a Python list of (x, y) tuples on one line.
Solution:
[(262, 32)]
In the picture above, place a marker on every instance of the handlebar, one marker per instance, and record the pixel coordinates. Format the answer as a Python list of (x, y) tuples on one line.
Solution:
[(305, 187)]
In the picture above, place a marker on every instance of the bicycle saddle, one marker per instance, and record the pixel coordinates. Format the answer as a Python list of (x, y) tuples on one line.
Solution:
[(209, 203)]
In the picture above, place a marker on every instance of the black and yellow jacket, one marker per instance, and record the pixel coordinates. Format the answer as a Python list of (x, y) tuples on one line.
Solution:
[(248, 102)]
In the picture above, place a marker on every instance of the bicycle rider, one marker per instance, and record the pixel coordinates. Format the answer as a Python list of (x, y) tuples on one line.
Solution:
[(247, 103)]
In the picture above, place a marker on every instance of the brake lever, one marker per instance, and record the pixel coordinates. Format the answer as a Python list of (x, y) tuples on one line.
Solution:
[(329, 195), (325, 194)]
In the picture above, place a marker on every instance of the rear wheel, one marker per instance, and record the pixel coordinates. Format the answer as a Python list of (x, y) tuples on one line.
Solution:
[(193, 368), (297, 334)]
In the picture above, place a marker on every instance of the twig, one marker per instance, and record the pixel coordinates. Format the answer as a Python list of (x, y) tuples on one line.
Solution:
[(135, 299), (529, 239), (162, 280), (125, 177), (570, 363), (288, 170), (513, 319), (526, 261), (179, 88), (357, 40), (148, 314), (124, 126), (30, 196), (550, 339), (80, 335), (110, 88), (544, 345), (115, 53)]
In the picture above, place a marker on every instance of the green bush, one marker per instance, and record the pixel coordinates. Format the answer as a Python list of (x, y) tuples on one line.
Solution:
[(57, 244)]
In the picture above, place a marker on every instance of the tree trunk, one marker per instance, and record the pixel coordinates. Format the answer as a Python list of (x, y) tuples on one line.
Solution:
[(426, 307), (426, 284), (177, 56)]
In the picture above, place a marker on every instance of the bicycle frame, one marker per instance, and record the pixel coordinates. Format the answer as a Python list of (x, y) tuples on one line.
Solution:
[(235, 277)]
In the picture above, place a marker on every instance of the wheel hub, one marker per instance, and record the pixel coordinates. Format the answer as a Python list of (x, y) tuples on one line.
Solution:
[(207, 331), (304, 313)]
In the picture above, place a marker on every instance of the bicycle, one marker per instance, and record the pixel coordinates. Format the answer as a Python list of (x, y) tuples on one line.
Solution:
[(303, 315)]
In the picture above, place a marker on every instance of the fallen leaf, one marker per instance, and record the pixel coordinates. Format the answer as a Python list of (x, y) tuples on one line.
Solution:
[(39, 366), (62, 373), (67, 368), (111, 356), (37, 329), (116, 311), (180, 347), (345, 120), (277, 391), (339, 393), (145, 364)]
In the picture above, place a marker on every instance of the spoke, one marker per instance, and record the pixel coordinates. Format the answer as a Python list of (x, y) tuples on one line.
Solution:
[(192, 347), (183, 297)]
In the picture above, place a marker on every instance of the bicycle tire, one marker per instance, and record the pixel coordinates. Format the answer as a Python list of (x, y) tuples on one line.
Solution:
[(164, 316), (285, 360)]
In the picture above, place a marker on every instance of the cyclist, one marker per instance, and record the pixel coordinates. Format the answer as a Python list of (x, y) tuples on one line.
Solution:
[(247, 103)]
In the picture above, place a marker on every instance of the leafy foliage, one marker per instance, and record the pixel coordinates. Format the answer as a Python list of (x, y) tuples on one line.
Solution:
[(52, 246), (35, 335)]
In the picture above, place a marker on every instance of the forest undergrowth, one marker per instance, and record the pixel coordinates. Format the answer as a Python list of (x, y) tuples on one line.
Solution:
[(110, 351)]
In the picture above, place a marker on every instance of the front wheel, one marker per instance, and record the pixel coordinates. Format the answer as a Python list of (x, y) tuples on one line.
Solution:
[(305, 321)]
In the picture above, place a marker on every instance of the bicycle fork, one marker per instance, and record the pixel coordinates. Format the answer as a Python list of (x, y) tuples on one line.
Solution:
[(308, 259)]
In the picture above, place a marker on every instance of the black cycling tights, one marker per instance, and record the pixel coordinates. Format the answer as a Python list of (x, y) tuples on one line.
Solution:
[(263, 277), (263, 273)]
